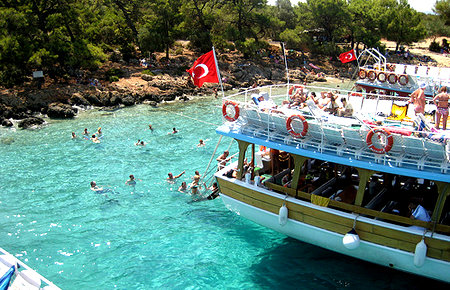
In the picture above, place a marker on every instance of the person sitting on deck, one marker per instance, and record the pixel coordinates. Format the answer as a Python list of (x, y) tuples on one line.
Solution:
[(332, 106), (418, 212), (346, 110), (325, 99)]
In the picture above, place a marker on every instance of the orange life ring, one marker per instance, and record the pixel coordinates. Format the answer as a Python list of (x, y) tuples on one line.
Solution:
[(381, 77), (389, 138), (392, 78), (372, 75), (236, 111), (294, 88), (291, 130), (356, 94), (362, 74), (403, 80)]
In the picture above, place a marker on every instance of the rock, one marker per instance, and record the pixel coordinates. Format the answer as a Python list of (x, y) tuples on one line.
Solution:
[(60, 111), (7, 123), (29, 122), (146, 77), (93, 99), (128, 100), (78, 99)]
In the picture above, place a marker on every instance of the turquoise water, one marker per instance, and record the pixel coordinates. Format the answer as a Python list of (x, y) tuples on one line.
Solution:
[(149, 236)]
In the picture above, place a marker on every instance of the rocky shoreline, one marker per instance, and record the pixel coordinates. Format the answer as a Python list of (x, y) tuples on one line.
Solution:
[(25, 106)]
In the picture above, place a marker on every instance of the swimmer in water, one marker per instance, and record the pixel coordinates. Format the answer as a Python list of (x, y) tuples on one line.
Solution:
[(150, 127), (172, 178), (174, 131), (132, 180), (201, 143), (73, 135), (138, 142), (85, 132), (183, 187), (96, 188), (95, 139), (99, 131)]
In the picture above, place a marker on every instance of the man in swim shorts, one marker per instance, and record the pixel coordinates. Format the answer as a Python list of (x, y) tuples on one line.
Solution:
[(441, 102)]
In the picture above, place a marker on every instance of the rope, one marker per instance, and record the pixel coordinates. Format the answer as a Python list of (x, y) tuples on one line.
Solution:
[(212, 156), (181, 114)]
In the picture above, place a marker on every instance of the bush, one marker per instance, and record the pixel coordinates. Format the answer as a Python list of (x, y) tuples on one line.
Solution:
[(434, 46), (113, 79), (148, 72)]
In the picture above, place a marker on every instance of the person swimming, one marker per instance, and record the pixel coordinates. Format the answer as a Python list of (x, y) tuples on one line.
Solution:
[(74, 136), (95, 139), (99, 131), (174, 131), (172, 178), (183, 187), (201, 143), (85, 132), (132, 180)]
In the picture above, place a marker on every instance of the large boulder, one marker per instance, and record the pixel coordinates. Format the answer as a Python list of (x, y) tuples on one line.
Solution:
[(30, 122), (128, 100), (60, 111), (78, 99)]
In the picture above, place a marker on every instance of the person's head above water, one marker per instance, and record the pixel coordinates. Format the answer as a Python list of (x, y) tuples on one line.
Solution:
[(93, 183), (170, 175), (131, 176)]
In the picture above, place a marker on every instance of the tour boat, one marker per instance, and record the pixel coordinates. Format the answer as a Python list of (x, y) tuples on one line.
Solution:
[(347, 184), (17, 275), (376, 74)]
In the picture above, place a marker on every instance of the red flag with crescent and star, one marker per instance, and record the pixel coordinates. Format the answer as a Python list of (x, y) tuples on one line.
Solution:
[(204, 70), (347, 56)]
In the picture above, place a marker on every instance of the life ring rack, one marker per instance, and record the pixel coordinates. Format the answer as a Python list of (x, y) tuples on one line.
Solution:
[(362, 74), (392, 78), (236, 111), (372, 75), (381, 77), (403, 80), (389, 138), (290, 129)]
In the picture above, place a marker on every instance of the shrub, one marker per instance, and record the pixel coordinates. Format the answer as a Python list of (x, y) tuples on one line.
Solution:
[(148, 72), (434, 46), (113, 79)]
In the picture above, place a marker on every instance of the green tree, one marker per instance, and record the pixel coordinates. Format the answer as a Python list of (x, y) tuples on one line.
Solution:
[(442, 8), (401, 23)]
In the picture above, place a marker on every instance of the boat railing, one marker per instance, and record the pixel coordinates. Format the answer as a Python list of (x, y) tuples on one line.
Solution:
[(326, 133)]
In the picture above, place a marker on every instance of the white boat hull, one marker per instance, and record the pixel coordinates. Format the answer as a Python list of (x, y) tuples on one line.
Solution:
[(382, 255)]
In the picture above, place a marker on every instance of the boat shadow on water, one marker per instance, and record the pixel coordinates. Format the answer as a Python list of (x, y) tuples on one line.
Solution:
[(293, 264)]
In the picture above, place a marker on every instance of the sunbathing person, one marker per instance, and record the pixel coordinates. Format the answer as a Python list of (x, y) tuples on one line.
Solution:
[(441, 102)]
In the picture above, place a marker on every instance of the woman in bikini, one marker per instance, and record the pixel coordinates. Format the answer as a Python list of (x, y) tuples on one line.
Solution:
[(441, 102)]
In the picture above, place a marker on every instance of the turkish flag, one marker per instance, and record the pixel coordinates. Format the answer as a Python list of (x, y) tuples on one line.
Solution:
[(204, 70), (347, 56)]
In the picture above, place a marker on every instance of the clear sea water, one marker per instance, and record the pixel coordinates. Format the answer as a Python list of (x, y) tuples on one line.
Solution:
[(150, 236)]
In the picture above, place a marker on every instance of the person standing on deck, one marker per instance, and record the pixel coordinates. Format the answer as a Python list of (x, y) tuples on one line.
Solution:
[(441, 102), (418, 99)]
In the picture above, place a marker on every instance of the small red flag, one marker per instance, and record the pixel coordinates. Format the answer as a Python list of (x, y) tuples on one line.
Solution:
[(204, 70), (347, 56)]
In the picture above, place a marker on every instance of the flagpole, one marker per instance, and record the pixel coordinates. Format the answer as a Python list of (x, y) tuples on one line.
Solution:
[(218, 72), (287, 71)]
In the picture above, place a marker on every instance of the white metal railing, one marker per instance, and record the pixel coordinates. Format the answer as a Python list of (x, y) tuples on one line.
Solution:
[(335, 134)]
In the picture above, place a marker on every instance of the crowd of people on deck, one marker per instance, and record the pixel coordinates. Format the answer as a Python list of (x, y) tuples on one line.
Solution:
[(301, 97), (195, 188)]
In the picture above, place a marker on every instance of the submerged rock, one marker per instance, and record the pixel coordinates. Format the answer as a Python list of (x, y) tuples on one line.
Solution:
[(7, 123)]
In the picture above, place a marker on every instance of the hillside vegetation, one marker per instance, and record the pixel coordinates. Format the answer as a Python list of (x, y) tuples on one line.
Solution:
[(66, 38)]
